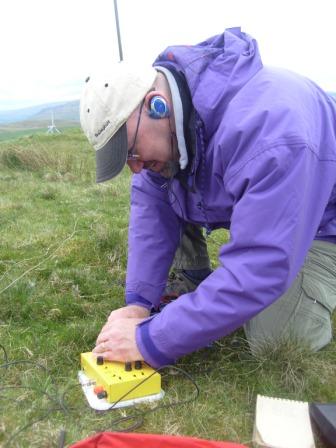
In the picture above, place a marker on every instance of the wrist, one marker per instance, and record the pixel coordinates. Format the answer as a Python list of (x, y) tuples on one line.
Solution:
[(139, 310), (132, 298)]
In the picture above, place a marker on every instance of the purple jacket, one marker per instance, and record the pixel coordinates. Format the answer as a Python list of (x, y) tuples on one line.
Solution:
[(265, 168)]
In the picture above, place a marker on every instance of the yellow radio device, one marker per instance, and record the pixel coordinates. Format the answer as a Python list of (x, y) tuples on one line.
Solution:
[(109, 384)]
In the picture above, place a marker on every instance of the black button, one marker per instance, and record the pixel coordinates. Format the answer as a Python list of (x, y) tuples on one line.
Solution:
[(128, 366), (102, 395), (138, 365)]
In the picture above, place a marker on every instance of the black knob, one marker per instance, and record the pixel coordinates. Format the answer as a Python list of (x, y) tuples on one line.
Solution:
[(138, 365), (102, 395), (128, 366), (100, 360)]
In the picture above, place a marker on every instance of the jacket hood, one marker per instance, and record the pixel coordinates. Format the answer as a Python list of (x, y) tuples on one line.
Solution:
[(230, 60)]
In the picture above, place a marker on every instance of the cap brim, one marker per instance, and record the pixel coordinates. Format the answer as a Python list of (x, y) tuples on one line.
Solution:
[(112, 157)]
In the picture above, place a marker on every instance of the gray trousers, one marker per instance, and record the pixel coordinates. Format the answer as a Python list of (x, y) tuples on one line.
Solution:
[(302, 314), (192, 252)]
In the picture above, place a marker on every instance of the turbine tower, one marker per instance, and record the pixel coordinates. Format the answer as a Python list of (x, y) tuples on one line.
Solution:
[(52, 129)]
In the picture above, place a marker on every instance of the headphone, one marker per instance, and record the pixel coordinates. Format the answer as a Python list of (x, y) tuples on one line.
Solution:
[(158, 108)]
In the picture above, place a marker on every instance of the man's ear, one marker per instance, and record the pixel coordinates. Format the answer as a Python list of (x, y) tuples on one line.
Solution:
[(149, 96)]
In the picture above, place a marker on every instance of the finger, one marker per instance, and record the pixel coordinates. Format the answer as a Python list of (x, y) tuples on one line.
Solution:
[(108, 355), (111, 323), (104, 335), (100, 348)]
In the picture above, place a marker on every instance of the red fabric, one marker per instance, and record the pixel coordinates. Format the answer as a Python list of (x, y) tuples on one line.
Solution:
[(135, 440)]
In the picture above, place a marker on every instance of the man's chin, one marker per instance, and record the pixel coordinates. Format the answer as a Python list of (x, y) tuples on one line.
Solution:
[(169, 170)]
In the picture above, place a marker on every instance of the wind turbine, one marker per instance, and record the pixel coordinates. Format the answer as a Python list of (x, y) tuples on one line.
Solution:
[(52, 129)]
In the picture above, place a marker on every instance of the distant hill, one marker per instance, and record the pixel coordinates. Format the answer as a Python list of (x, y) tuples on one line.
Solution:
[(10, 116), (63, 112)]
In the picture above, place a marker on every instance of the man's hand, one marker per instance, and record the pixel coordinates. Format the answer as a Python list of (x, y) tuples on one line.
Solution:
[(116, 341), (130, 311)]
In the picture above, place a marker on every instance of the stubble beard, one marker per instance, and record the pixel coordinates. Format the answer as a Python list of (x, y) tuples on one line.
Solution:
[(170, 169)]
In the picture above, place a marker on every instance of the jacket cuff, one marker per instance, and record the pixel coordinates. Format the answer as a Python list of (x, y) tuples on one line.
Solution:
[(132, 298), (151, 354)]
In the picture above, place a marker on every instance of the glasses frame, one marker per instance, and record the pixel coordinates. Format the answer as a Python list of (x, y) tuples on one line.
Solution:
[(130, 153)]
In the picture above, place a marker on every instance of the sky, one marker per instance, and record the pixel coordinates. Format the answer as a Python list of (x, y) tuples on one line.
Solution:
[(50, 47)]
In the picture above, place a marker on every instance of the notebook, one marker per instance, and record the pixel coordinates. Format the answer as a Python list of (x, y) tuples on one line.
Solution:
[(281, 423)]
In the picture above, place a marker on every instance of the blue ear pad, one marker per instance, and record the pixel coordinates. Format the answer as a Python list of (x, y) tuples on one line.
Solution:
[(158, 107)]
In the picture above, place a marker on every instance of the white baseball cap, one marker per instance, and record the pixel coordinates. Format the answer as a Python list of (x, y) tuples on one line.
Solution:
[(106, 104)]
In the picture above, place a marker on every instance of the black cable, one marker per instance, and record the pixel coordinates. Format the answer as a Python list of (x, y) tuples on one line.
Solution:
[(172, 197), (23, 428), (162, 406), (5, 353), (139, 421), (23, 361), (139, 418), (61, 406), (43, 392), (40, 391), (157, 371)]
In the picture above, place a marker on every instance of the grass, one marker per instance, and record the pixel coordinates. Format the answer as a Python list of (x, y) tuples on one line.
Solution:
[(62, 270), (9, 134), (28, 129)]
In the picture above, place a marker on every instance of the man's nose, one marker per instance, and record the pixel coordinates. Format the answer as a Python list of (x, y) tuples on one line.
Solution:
[(135, 165)]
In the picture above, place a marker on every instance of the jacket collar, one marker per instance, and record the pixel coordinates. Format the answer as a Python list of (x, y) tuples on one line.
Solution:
[(184, 123)]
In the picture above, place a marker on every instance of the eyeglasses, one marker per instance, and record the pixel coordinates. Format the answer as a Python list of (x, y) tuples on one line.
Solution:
[(130, 154)]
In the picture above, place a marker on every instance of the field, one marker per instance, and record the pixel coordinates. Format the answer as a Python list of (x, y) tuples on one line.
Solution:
[(7, 133), (62, 269), (13, 131)]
